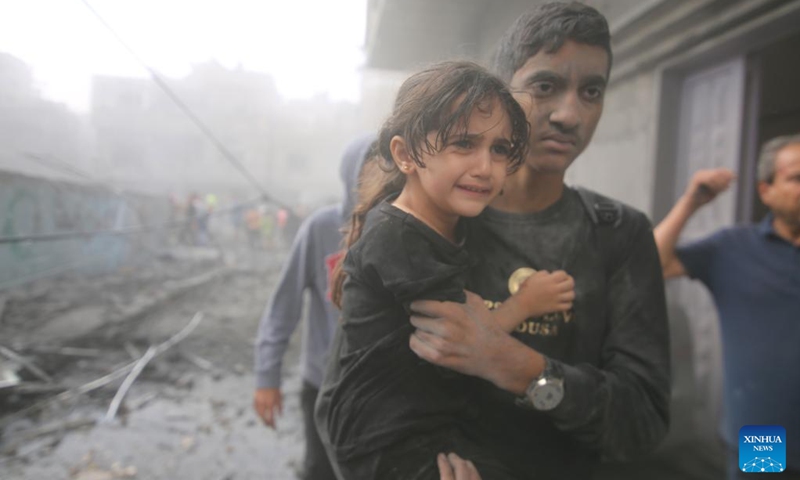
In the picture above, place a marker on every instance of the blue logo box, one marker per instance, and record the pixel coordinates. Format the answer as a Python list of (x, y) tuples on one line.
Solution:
[(762, 449)]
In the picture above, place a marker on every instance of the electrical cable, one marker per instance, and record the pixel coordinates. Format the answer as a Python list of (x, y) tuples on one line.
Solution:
[(158, 79)]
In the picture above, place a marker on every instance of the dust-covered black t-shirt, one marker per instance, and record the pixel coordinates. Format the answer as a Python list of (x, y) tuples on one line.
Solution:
[(379, 401), (397, 260), (612, 348)]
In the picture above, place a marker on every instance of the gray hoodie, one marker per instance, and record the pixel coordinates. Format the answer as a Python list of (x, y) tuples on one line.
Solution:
[(315, 250)]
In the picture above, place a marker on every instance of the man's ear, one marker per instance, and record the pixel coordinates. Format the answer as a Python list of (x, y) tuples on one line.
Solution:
[(401, 155), (764, 190)]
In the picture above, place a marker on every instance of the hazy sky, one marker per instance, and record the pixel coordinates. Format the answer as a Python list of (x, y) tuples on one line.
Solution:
[(309, 46)]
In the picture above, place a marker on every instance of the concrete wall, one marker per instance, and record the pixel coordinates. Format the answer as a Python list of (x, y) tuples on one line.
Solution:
[(620, 162), (38, 206)]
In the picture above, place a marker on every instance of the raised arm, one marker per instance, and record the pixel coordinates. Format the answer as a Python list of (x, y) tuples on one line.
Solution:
[(704, 187)]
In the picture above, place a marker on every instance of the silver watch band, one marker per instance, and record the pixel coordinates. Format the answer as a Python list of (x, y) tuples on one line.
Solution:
[(546, 391)]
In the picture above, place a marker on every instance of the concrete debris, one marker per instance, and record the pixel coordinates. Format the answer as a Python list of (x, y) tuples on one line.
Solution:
[(8, 375), (185, 414), (28, 364)]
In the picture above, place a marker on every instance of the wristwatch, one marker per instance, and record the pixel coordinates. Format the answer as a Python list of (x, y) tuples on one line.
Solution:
[(546, 391)]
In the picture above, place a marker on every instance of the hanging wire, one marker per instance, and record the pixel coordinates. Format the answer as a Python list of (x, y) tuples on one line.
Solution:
[(159, 80), (206, 131)]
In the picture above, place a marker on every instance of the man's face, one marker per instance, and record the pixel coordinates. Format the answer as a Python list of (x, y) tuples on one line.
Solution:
[(562, 93), (782, 196)]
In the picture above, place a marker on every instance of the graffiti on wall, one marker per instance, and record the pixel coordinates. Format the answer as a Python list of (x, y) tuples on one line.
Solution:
[(32, 206)]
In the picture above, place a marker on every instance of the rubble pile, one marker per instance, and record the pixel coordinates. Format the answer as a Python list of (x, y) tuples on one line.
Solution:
[(100, 375)]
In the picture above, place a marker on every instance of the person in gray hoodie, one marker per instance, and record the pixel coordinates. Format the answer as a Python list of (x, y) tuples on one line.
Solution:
[(315, 251)]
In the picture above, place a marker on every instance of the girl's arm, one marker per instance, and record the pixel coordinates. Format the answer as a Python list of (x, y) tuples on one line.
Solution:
[(541, 293)]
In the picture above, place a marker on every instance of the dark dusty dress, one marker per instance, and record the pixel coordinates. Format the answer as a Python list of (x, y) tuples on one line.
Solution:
[(384, 412)]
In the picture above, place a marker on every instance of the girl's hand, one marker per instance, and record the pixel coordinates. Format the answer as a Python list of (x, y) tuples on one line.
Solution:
[(546, 292)]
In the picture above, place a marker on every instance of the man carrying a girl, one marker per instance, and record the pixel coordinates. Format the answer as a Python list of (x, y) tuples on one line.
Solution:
[(584, 373)]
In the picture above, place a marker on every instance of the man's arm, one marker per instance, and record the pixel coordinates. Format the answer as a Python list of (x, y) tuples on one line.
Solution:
[(460, 338), (619, 407), (280, 318), (467, 339), (704, 186)]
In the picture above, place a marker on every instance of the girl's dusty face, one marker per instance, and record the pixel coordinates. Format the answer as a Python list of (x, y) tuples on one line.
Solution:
[(465, 174)]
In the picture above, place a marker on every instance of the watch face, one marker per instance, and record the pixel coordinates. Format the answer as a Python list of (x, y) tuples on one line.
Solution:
[(547, 396)]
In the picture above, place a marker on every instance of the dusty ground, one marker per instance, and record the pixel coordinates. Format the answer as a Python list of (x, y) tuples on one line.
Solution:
[(189, 413)]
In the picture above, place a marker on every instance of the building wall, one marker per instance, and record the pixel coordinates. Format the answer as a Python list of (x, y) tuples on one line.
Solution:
[(493, 24), (38, 137), (620, 162), (291, 148), (37, 206)]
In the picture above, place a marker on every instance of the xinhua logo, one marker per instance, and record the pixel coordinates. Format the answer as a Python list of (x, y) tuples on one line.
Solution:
[(762, 449)]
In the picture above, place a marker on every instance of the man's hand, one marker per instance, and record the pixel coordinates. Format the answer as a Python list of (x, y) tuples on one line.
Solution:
[(705, 185), (545, 292), (464, 338), (268, 404), (453, 467), (453, 335)]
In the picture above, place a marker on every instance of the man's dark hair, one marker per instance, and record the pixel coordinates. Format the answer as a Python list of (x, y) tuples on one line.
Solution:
[(547, 27)]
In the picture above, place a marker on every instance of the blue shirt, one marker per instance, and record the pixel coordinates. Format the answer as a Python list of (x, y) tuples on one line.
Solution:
[(754, 277)]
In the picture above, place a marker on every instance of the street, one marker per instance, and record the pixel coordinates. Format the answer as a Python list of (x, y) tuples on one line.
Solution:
[(188, 415)]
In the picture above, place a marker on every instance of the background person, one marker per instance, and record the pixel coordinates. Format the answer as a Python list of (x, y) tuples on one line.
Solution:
[(315, 250), (753, 274)]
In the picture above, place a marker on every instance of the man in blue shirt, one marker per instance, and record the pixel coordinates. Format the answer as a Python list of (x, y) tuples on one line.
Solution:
[(753, 274)]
